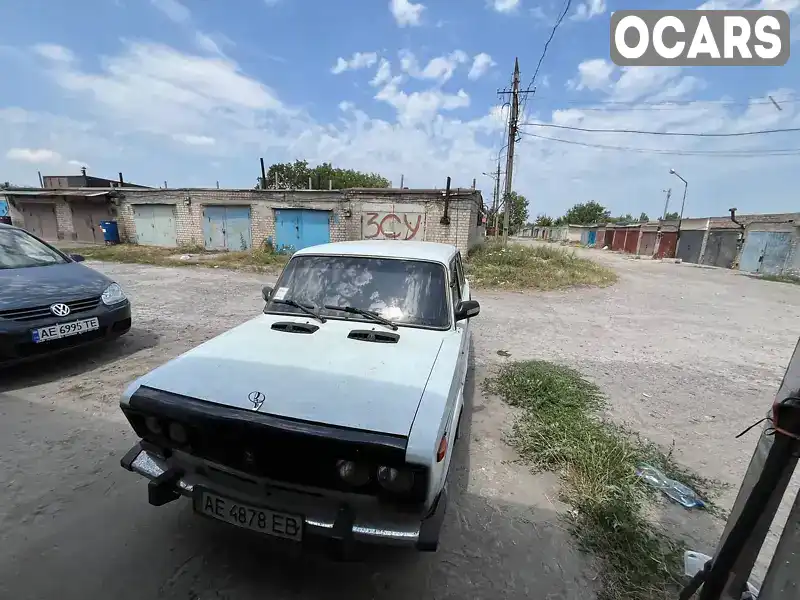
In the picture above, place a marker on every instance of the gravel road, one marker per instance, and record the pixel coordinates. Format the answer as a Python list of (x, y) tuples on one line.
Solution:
[(686, 354)]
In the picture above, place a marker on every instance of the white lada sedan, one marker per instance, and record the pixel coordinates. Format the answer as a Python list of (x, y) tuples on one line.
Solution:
[(334, 413)]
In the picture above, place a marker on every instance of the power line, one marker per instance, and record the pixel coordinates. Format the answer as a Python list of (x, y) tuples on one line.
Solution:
[(667, 133), (714, 153), (669, 104), (567, 4)]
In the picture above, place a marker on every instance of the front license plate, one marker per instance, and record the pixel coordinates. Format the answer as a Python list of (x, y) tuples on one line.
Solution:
[(62, 330), (254, 518)]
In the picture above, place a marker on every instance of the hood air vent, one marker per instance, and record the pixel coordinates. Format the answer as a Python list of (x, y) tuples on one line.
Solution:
[(292, 327), (368, 335)]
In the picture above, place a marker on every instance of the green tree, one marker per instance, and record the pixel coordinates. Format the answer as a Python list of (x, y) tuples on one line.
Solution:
[(643, 218), (586, 214), (517, 216), (286, 176), (673, 216), (543, 221), (622, 219)]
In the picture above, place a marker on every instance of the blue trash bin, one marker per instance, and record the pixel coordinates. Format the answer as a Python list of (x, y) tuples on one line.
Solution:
[(110, 232)]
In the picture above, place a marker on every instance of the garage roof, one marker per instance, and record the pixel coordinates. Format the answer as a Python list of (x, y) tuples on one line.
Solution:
[(76, 192)]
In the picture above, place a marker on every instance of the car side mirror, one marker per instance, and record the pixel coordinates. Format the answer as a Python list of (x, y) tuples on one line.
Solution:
[(466, 309), (266, 292), (77, 257)]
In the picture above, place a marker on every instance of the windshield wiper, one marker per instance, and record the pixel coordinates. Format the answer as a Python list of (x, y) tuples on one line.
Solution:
[(364, 313), (309, 309)]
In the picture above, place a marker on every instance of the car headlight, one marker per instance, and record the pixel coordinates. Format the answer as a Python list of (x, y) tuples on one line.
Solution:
[(177, 433), (113, 294), (153, 425), (397, 481), (352, 473)]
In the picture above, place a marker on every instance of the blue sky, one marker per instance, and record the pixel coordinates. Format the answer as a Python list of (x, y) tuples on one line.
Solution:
[(195, 91)]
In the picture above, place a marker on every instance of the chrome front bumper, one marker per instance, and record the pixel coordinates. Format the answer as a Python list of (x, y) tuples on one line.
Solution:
[(326, 517)]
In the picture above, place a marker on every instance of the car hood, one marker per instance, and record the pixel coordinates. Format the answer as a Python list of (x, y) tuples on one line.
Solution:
[(322, 377), (35, 286)]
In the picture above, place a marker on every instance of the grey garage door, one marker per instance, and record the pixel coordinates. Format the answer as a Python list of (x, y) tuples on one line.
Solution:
[(155, 225), (689, 245), (40, 220), (721, 248)]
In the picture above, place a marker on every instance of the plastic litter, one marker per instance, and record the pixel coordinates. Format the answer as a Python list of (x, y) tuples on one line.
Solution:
[(695, 561), (674, 490)]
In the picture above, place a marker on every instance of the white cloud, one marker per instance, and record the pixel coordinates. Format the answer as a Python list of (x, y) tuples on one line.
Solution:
[(406, 13), (346, 106), (440, 68), (34, 155), (173, 9), (271, 3), (481, 63), (359, 60), (157, 89), (206, 43), (54, 52), (594, 74), (78, 163), (587, 10), (383, 74), (504, 6), (194, 140)]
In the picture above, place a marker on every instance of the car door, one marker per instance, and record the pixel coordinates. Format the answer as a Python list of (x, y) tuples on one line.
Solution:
[(460, 291)]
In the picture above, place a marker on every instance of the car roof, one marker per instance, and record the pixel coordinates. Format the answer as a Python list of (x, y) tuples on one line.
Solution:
[(410, 250)]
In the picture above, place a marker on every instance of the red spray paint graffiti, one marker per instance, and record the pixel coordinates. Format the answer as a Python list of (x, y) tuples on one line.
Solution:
[(392, 226)]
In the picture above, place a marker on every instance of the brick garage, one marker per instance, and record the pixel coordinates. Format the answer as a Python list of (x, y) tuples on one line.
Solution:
[(354, 214)]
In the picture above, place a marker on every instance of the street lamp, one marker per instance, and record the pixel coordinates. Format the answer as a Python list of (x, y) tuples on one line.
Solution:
[(683, 203)]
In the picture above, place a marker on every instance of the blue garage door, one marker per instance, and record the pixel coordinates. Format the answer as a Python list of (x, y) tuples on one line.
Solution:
[(227, 228), (298, 229)]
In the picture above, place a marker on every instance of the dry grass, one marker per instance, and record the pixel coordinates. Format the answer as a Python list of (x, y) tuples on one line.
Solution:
[(260, 260), (782, 278), (517, 267), (559, 431)]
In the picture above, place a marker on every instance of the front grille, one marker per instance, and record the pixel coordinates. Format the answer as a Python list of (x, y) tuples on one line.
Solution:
[(251, 443), (43, 312)]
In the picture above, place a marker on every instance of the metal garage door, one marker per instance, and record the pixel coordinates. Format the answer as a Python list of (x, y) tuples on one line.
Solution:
[(766, 252), (227, 227), (647, 245), (298, 229), (689, 245), (86, 217), (155, 225), (721, 248), (40, 220)]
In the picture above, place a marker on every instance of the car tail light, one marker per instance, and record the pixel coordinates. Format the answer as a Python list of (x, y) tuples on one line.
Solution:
[(442, 451), (397, 481)]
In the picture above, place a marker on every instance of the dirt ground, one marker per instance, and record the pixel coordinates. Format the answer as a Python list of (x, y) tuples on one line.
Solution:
[(685, 354)]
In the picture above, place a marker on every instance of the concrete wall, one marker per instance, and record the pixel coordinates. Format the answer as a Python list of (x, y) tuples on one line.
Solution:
[(349, 209)]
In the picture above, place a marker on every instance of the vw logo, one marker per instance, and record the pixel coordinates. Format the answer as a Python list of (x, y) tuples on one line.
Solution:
[(257, 398), (59, 309)]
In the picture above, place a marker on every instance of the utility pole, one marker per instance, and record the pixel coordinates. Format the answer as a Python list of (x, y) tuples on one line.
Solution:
[(513, 128), (512, 138), (496, 200), (666, 204)]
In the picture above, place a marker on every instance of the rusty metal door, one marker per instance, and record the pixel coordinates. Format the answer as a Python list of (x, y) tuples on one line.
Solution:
[(86, 217), (40, 220)]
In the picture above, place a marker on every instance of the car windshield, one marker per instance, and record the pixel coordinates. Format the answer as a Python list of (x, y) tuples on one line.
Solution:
[(406, 292), (18, 250)]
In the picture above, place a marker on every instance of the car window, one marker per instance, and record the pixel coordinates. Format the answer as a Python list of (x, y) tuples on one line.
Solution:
[(460, 270), (408, 292), (18, 250), (454, 282)]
